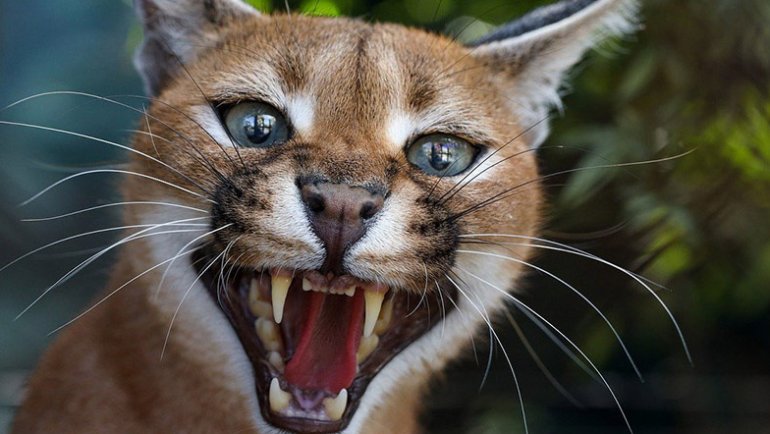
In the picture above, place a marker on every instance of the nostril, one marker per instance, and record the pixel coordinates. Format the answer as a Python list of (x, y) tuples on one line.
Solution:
[(315, 202), (368, 210)]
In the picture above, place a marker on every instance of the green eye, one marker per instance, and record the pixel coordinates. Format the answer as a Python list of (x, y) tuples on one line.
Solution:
[(441, 154), (256, 125)]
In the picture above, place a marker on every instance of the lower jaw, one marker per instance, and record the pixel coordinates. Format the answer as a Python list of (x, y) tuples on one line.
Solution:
[(302, 410)]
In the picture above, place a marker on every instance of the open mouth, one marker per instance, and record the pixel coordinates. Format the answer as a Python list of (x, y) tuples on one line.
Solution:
[(316, 341)]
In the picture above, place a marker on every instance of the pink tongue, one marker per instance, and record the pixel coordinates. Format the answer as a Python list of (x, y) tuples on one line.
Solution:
[(325, 356)]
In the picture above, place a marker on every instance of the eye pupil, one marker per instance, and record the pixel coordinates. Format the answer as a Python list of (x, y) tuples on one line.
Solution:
[(256, 125), (259, 128), (441, 156)]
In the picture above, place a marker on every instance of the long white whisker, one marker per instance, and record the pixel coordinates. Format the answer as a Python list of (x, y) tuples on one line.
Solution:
[(193, 241), (573, 289), (638, 279), (526, 308), (570, 249), (536, 358), (85, 263), (502, 348), (106, 142), (187, 292), (115, 291), (73, 237), (109, 205), (124, 172)]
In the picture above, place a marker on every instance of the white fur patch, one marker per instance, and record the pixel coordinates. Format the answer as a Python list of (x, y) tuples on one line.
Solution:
[(301, 111), (209, 121), (399, 129)]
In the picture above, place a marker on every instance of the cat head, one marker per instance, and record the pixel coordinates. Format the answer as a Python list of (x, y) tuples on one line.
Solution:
[(346, 170)]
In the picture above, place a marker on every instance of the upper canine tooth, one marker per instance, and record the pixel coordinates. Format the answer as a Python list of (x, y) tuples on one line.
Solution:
[(366, 347), (373, 305), (279, 399), (280, 289), (335, 407)]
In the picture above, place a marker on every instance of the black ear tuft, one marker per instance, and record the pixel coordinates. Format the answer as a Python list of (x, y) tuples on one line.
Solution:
[(534, 20), (532, 54)]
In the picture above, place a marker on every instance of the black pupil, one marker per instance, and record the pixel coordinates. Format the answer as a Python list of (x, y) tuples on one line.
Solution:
[(258, 127), (441, 155)]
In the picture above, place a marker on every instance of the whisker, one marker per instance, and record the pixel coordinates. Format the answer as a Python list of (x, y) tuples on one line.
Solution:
[(124, 172), (135, 236), (574, 290), (186, 293), (81, 235), (502, 348), (190, 243), (106, 142), (115, 291), (640, 280), (539, 362), (509, 191), (525, 308), (114, 204)]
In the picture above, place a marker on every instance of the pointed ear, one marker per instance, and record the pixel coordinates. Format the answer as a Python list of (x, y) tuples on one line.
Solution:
[(176, 30), (532, 54)]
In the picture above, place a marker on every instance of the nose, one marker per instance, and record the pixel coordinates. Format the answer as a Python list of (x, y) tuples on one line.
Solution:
[(338, 215)]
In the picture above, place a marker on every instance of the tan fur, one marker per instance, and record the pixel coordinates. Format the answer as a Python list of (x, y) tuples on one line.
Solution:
[(105, 373)]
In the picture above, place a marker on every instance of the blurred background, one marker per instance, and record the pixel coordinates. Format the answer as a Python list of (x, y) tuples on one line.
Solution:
[(692, 85)]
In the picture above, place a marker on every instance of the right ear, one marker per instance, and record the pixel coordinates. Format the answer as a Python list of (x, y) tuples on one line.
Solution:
[(176, 30)]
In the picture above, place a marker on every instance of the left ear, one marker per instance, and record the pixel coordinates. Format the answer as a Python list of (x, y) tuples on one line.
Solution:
[(532, 54)]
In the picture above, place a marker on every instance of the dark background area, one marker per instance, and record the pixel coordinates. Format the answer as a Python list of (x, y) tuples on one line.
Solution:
[(694, 81)]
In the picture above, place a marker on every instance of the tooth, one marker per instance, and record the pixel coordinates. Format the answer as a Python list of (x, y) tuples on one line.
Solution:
[(279, 399), (261, 309), (267, 332), (306, 285), (276, 360), (386, 314), (373, 305), (366, 347), (336, 406), (280, 289), (350, 291)]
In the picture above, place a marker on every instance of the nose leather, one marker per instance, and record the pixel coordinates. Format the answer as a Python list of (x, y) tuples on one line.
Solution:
[(338, 215)]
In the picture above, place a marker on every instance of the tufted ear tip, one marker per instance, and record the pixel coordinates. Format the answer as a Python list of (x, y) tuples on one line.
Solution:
[(531, 55), (176, 30)]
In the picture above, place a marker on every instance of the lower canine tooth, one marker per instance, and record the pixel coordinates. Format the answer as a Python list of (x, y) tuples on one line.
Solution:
[(268, 333), (279, 290), (335, 407), (373, 305), (279, 399)]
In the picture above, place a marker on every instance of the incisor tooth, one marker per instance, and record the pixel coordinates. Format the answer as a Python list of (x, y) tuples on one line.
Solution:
[(373, 305), (268, 333), (335, 407), (366, 347), (351, 291), (276, 360), (280, 289), (306, 285), (279, 399)]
